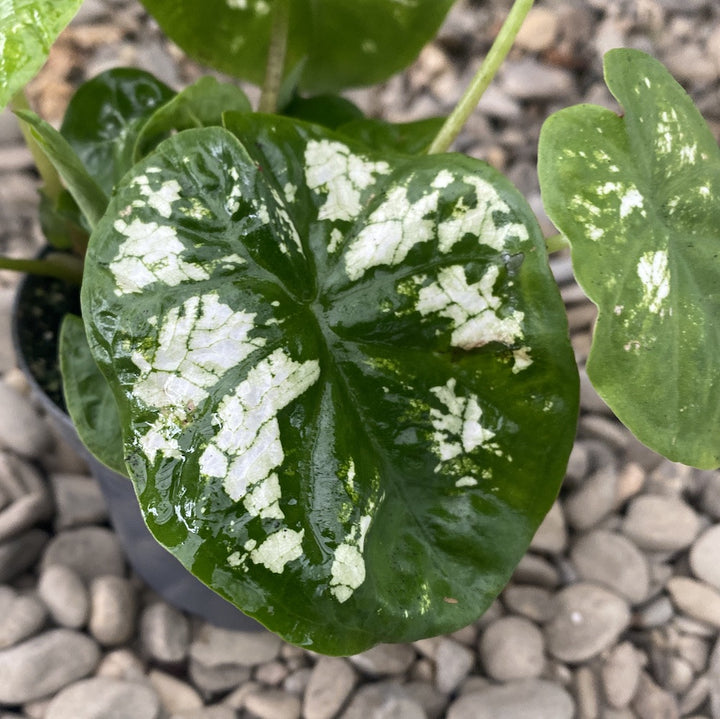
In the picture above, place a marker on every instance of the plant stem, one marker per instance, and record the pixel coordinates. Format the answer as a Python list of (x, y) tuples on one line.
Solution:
[(63, 266), (484, 76), (276, 57), (557, 242), (52, 184)]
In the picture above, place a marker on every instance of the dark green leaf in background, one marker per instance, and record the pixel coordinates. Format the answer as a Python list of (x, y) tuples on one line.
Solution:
[(105, 116), (199, 105), (638, 196), (27, 29), (342, 43), (414, 138), (344, 377), (326, 110), (88, 397)]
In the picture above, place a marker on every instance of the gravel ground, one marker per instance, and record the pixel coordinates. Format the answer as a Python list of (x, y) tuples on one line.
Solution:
[(614, 612)]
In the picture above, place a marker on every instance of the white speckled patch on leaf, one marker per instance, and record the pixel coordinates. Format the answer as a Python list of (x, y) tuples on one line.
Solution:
[(637, 196), (334, 390)]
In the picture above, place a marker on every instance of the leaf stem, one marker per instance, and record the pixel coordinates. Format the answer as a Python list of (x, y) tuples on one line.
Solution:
[(62, 265), (484, 76), (52, 184), (276, 57)]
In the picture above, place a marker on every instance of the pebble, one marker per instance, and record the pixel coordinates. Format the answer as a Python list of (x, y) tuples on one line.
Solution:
[(527, 79), (538, 31), (704, 556), (22, 617), (652, 702), (65, 595), (383, 700), (78, 501), (217, 679), (44, 664), (535, 603), (534, 698), (453, 663), (23, 513), (22, 430), (273, 704), (90, 551), (512, 648), (165, 633), (586, 692), (589, 619), (121, 664), (385, 660), (329, 686), (660, 524), (213, 646), (593, 500), (535, 570), (214, 711), (175, 696), (551, 535), (112, 610), (21, 553), (614, 561), (621, 674), (103, 698), (696, 599), (271, 674), (654, 614)]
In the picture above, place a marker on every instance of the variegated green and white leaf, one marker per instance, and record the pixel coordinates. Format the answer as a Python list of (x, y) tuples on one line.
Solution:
[(27, 30), (638, 196), (345, 380)]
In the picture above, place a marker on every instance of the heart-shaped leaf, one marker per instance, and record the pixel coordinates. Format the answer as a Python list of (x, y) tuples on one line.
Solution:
[(88, 398), (341, 43), (27, 30), (637, 196), (104, 117), (345, 379)]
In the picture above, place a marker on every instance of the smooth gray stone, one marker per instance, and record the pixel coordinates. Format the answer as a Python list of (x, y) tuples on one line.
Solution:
[(165, 633), (90, 551), (41, 666), (65, 595), (23, 513), (20, 553), (103, 698), (78, 500), (214, 646), (112, 610), (22, 429), (25, 616)]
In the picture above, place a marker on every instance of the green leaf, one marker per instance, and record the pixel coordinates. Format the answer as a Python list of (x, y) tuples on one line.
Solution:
[(88, 398), (105, 116), (28, 28), (62, 223), (199, 105), (413, 138), (345, 383), (85, 191), (327, 110), (637, 196), (344, 43)]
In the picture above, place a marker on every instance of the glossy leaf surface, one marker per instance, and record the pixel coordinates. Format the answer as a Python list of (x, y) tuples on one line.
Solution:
[(88, 195), (345, 380), (104, 117), (637, 196), (199, 105), (413, 138), (88, 397), (342, 43), (326, 110), (28, 28)]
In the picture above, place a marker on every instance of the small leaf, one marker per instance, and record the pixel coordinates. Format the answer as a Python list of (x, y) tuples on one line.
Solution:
[(329, 111), (637, 196), (199, 105), (344, 377), (105, 116), (85, 191), (27, 30), (88, 397), (413, 138), (62, 223), (342, 43)]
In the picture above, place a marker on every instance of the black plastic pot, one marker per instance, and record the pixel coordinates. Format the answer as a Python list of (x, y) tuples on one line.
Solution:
[(165, 574)]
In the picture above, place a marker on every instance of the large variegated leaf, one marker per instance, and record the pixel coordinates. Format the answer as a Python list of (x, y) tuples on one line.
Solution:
[(341, 43), (638, 196), (345, 380), (27, 30)]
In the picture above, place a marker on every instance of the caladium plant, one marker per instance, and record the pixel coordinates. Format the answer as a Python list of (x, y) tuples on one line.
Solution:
[(331, 356)]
